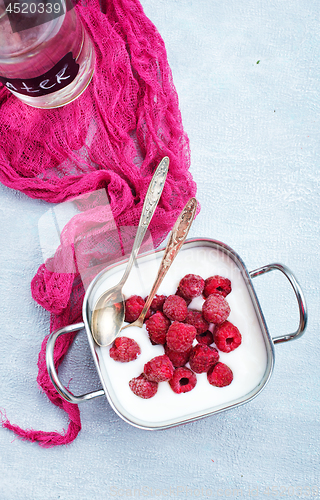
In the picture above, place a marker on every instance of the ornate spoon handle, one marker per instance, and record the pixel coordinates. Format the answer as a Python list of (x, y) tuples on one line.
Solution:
[(150, 204), (177, 237)]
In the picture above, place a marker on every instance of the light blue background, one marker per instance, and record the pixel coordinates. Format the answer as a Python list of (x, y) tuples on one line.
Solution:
[(254, 135)]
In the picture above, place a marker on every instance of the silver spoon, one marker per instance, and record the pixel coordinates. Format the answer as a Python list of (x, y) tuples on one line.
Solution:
[(177, 238), (110, 305)]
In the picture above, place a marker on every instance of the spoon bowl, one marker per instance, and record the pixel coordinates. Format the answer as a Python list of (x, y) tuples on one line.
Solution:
[(108, 316), (108, 312)]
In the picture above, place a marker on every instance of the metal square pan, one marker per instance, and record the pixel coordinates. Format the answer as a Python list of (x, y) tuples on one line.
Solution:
[(191, 409)]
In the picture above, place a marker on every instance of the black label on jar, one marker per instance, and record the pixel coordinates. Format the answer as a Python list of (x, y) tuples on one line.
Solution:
[(58, 77)]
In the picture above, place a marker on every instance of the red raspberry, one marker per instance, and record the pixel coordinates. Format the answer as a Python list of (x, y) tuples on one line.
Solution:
[(227, 337), (157, 327), (217, 284), (133, 308), (157, 302), (220, 375), (196, 319), (202, 357), (175, 308), (183, 380), (143, 387), (124, 350), (180, 336), (191, 286), (159, 369), (215, 309), (177, 358), (205, 338)]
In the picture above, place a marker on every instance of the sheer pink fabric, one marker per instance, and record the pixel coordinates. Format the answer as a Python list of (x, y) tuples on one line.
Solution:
[(109, 139)]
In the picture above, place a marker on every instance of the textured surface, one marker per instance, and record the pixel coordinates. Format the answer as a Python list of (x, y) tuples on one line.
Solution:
[(254, 134)]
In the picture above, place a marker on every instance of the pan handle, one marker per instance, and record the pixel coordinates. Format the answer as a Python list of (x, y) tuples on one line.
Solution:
[(299, 295), (52, 369)]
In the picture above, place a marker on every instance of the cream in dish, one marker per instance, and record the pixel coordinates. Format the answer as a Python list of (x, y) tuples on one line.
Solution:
[(248, 362)]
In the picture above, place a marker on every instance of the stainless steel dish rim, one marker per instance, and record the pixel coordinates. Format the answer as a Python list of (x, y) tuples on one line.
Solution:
[(269, 341)]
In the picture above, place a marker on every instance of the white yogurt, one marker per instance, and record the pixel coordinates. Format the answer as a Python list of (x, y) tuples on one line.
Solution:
[(248, 362)]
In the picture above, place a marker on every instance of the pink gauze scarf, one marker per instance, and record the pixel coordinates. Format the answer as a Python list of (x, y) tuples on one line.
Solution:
[(110, 141)]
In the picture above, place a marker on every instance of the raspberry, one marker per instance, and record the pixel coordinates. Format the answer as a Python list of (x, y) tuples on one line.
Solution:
[(215, 309), (220, 375), (133, 308), (183, 380), (205, 338), (124, 350), (180, 336), (191, 286), (175, 308), (196, 319), (202, 357), (157, 302), (177, 358), (157, 327), (159, 369), (143, 387), (217, 284), (227, 337)]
